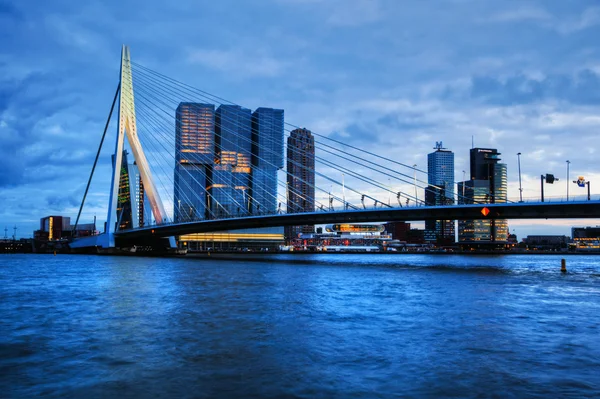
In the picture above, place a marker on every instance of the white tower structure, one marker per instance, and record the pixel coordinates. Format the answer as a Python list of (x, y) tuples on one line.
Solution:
[(127, 127)]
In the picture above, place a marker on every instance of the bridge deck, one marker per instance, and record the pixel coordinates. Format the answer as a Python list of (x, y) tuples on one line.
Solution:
[(542, 210)]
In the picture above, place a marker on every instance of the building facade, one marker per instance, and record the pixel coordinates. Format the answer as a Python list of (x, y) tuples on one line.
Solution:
[(133, 207), (300, 178), (267, 159), (232, 162), (194, 153), (488, 184), (227, 164), (440, 191)]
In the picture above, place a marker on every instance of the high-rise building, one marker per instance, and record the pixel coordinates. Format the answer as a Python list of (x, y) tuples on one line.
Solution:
[(133, 207), (267, 159), (440, 191), (232, 168), (300, 178), (227, 163), (488, 184), (141, 210), (194, 153)]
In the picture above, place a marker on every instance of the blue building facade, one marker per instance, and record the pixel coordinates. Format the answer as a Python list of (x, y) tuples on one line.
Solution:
[(194, 153), (440, 191), (232, 161), (267, 158)]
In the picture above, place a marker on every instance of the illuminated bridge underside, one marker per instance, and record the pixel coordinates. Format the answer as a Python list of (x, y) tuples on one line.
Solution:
[(571, 210)]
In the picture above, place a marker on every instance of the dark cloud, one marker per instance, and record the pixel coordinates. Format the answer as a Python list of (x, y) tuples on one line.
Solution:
[(61, 201), (403, 122), (7, 9), (582, 88), (356, 134)]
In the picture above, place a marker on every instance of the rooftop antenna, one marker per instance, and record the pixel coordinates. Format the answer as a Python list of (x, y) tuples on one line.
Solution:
[(5, 233), (472, 142)]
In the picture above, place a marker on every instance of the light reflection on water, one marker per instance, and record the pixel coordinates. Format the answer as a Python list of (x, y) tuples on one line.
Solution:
[(300, 326)]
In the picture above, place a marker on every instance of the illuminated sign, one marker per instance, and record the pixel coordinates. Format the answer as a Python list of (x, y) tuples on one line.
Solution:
[(354, 228), (485, 211)]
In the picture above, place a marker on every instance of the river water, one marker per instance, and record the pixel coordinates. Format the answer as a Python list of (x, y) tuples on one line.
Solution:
[(300, 326)]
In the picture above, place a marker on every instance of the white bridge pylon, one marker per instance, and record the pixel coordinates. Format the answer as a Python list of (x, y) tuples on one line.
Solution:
[(127, 127)]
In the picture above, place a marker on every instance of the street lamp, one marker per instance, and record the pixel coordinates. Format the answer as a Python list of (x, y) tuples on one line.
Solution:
[(549, 178), (581, 182), (568, 163), (520, 187)]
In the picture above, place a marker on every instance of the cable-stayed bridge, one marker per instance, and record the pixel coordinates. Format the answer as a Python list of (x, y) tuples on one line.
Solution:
[(196, 169)]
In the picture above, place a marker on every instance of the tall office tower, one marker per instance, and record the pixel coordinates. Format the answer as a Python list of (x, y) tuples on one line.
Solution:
[(300, 178), (133, 208), (194, 153), (141, 211), (488, 184), (440, 191), (233, 153), (267, 159)]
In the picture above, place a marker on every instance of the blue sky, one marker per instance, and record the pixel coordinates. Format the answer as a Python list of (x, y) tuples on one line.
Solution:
[(519, 76)]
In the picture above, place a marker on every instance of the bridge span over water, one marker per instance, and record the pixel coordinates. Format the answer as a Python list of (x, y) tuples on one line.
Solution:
[(222, 186), (541, 210)]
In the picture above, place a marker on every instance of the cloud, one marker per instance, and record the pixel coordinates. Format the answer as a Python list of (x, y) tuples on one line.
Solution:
[(590, 17), (564, 23), (237, 63), (581, 88), (351, 13), (526, 13)]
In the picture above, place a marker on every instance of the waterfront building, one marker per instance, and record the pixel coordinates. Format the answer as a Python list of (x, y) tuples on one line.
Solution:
[(194, 152), (267, 159), (53, 228), (552, 242), (586, 238), (398, 230), (488, 184), (133, 208), (232, 168), (300, 178), (141, 210), (227, 164), (440, 191), (263, 239)]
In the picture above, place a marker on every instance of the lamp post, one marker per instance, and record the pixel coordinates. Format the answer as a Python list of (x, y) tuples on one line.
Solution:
[(549, 178), (568, 163), (415, 184), (520, 187)]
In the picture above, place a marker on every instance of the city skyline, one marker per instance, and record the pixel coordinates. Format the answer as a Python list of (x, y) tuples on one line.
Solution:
[(510, 94)]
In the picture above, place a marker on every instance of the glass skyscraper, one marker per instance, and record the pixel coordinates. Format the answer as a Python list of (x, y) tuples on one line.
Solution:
[(232, 169), (194, 153), (488, 184), (300, 177), (267, 159), (440, 191), (133, 207)]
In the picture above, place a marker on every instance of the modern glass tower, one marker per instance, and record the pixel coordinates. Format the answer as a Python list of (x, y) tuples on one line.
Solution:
[(194, 152), (267, 159), (232, 168), (133, 207), (440, 191), (300, 178), (488, 184)]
